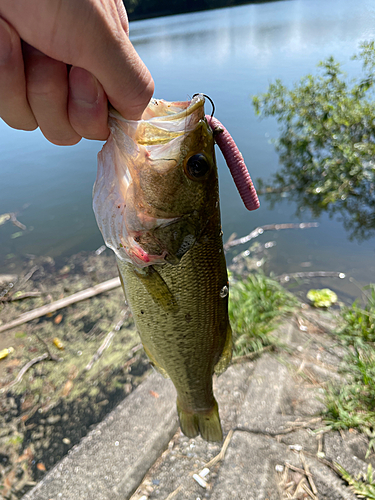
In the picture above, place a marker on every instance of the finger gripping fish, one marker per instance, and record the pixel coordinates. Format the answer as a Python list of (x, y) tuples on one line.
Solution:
[(156, 201)]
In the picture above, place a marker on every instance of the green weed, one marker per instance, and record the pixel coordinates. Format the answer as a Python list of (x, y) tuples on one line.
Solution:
[(353, 403), (256, 305), (364, 487)]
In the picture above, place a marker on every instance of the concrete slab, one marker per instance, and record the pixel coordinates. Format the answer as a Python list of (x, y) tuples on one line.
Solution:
[(267, 403), (111, 461), (249, 471)]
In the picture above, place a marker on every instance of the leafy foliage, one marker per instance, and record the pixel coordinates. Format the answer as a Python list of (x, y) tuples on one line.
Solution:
[(327, 141), (256, 305)]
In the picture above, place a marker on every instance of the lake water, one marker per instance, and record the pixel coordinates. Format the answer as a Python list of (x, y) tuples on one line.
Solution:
[(229, 54)]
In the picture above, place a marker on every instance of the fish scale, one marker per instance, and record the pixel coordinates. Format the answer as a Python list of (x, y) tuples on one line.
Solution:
[(180, 341)]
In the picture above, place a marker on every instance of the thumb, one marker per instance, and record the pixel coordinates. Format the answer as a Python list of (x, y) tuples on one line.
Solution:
[(123, 75), (112, 59), (90, 34)]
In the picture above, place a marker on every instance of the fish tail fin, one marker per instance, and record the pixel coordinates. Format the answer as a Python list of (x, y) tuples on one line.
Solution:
[(207, 423), (188, 422)]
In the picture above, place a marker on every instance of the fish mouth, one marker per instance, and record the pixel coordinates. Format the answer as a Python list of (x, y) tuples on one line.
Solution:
[(154, 140), (159, 110), (161, 122)]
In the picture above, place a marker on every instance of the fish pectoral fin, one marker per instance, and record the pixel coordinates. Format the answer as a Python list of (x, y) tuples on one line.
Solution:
[(154, 363), (207, 423), (226, 355), (157, 288)]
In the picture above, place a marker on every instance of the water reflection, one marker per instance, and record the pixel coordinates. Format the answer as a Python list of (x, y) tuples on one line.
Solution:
[(228, 54), (326, 142), (356, 212)]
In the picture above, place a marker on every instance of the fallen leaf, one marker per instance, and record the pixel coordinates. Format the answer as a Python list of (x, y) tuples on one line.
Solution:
[(13, 362), (67, 388), (8, 481), (26, 455), (58, 319), (73, 372)]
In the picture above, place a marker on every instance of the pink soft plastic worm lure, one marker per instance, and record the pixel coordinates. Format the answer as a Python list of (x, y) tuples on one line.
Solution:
[(235, 162)]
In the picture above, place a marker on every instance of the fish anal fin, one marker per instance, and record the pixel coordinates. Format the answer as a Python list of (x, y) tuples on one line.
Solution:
[(206, 423), (154, 363), (226, 354)]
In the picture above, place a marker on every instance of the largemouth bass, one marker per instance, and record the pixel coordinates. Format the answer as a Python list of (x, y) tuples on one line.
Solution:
[(156, 201)]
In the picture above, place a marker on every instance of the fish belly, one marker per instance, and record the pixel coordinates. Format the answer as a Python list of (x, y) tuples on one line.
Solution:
[(181, 314)]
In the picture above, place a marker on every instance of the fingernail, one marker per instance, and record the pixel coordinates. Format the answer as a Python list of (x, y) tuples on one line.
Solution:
[(83, 87), (6, 45)]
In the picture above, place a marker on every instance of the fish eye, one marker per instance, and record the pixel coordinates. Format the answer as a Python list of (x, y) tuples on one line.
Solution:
[(197, 166)]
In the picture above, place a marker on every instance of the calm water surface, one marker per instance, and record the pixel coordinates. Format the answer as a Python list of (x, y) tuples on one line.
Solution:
[(229, 54)]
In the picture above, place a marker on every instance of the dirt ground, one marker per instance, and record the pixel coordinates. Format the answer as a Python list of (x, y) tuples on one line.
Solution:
[(53, 385)]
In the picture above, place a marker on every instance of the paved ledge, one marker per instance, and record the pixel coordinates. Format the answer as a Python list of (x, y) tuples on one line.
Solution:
[(111, 461), (264, 401)]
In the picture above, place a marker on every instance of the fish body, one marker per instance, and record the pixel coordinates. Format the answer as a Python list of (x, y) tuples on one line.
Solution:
[(188, 336), (156, 200)]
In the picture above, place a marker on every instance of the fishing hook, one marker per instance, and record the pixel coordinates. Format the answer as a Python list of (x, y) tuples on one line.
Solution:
[(211, 101)]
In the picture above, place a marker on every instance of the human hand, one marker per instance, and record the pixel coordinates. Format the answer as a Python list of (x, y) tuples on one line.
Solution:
[(61, 60)]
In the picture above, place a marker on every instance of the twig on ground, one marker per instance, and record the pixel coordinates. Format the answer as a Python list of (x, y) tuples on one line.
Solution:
[(28, 275), (308, 474), (108, 340), (304, 425), (26, 295), (284, 278), (174, 493), (297, 469), (221, 455), (52, 356), (252, 355), (293, 426), (269, 227), (59, 304), (288, 430), (20, 283), (309, 492), (24, 370)]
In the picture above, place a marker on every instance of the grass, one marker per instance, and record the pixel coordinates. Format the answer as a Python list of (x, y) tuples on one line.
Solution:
[(353, 403), (364, 487), (257, 304)]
